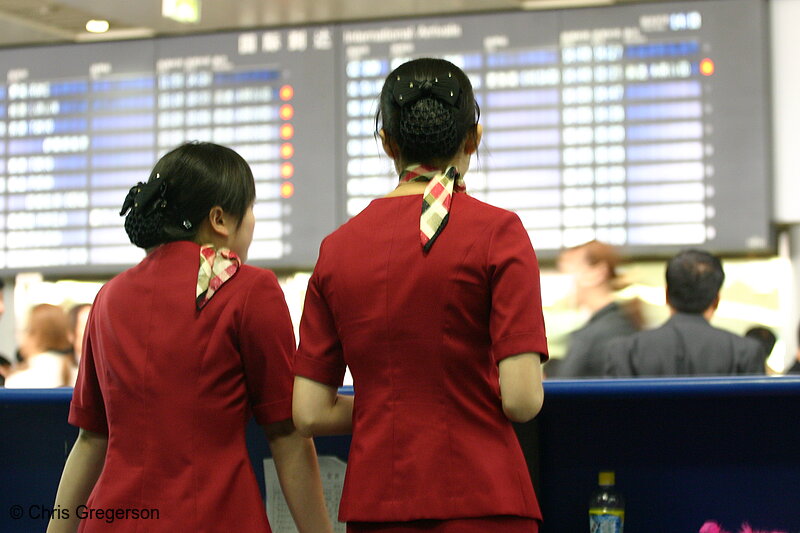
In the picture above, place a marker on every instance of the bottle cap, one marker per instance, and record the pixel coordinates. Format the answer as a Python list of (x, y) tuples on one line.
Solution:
[(606, 478)]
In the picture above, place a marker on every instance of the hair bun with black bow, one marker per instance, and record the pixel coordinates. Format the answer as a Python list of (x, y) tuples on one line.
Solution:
[(144, 209)]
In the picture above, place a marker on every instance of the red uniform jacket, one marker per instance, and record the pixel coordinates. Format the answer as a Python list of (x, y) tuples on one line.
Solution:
[(173, 388), (422, 335)]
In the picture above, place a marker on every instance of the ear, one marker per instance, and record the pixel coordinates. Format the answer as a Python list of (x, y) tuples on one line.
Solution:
[(218, 223), (389, 146), (715, 303), (472, 142)]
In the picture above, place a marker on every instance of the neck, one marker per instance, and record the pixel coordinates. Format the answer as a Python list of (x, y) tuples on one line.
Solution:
[(408, 188), (707, 314)]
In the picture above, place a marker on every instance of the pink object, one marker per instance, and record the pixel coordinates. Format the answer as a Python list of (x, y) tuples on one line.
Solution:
[(747, 529), (713, 527)]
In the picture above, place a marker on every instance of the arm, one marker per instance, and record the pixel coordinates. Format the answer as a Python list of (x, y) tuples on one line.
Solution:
[(83, 467), (521, 388), (516, 323), (298, 472), (317, 409)]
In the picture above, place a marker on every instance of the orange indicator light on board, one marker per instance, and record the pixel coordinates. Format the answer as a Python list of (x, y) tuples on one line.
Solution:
[(287, 92), (706, 67), (287, 150), (287, 131), (286, 112), (287, 170), (287, 190)]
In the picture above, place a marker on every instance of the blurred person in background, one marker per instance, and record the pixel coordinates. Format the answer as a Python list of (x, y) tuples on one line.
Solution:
[(592, 266), (42, 345), (78, 316), (767, 339), (795, 368), (5, 362), (687, 344)]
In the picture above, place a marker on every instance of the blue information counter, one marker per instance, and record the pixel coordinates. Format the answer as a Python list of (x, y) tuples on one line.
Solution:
[(684, 451)]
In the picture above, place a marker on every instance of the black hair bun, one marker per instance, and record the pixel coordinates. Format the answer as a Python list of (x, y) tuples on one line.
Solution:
[(427, 128), (145, 212), (145, 231)]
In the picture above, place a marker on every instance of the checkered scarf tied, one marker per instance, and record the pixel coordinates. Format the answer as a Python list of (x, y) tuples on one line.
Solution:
[(436, 199), (216, 267)]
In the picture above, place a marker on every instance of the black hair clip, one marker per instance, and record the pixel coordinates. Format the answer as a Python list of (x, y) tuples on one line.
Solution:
[(445, 89), (146, 197)]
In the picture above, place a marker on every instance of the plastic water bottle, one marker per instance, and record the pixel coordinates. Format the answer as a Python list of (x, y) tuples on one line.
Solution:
[(607, 507)]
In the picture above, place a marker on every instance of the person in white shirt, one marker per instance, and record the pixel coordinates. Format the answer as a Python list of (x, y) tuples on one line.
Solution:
[(43, 347)]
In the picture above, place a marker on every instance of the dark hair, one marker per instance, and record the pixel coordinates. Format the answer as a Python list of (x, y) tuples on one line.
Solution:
[(183, 187), (694, 278), (428, 130), (764, 336)]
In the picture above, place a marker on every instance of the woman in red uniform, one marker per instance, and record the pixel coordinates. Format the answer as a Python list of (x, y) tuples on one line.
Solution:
[(179, 351), (432, 299)]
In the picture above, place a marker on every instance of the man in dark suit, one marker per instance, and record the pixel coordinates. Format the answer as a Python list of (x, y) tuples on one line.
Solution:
[(592, 267), (687, 345)]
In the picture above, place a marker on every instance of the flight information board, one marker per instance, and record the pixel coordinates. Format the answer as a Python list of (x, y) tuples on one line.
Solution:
[(644, 126), (83, 123)]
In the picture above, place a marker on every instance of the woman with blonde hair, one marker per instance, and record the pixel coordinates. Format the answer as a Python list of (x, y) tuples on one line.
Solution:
[(43, 345)]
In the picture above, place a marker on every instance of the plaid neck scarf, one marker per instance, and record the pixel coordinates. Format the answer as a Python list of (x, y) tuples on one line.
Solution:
[(216, 267), (436, 199)]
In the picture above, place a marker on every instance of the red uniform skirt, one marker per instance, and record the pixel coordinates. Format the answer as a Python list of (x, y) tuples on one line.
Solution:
[(488, 524)]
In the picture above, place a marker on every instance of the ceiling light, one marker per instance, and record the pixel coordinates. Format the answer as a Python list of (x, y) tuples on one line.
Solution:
[(181, 10), (562, 4), (97, 26), (117, 34)]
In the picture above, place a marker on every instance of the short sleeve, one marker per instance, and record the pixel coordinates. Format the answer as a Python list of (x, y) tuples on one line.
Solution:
[(87, 408), (266, 343), (516, 323), (320, 357)]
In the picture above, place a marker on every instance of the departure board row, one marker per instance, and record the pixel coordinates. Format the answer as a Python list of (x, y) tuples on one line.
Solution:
[(644, 126)]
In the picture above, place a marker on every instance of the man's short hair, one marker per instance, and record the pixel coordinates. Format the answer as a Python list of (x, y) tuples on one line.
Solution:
[(694, 278), (763, 335)]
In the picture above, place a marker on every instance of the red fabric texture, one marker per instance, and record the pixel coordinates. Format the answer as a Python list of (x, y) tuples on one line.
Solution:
[(173, 387), (422, 335)]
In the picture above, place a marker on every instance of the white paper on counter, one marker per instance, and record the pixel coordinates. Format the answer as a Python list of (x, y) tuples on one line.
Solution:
[(280, 519)]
